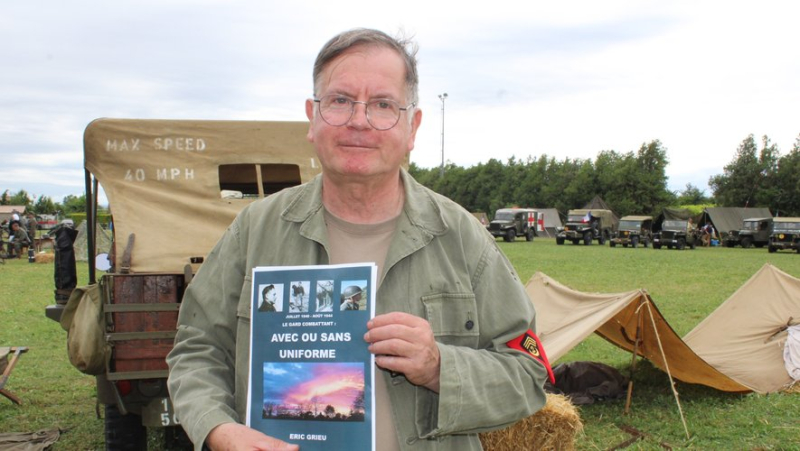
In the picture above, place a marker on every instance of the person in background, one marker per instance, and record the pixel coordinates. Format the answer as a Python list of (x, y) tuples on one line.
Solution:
[(453, 336), (17, 240)]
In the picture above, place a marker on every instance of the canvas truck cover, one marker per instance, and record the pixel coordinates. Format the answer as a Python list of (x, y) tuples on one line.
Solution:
[(606, 215), (167, 181)]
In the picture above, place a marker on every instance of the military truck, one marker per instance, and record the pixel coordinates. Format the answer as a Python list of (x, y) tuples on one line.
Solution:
[(785, 235), (633, 230), (173, 187), (583, 226), (754, 232), (676, 233), (509, 223)]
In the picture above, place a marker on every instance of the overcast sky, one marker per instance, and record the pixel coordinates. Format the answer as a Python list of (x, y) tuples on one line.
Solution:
[(566, 79)]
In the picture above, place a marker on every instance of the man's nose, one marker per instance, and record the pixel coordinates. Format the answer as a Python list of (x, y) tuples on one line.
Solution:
[(359, 118)]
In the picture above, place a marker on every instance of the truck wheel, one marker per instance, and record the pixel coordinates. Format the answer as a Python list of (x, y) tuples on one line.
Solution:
[(656, 245), (602, 240), (747, 242), (559, 241), (529, 235), (729, 243), (635, 242), (772, 250), (124, 432), (587, 238), (511, 235), (612, 244), (681, 244), (576, 241)]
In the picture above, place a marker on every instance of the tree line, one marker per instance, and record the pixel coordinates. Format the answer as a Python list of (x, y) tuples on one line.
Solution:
[(630, 183)]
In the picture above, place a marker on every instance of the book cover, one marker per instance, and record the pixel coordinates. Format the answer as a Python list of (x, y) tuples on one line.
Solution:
[(311, 375)]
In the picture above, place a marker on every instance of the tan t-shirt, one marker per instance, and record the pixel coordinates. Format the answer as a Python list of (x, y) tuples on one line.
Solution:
[(359, 243)]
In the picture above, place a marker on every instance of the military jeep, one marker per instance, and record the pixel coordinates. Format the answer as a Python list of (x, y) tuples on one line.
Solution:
[(754, 232), (585, 226), (785, 235), (173, 187), (510, 223), (676, 233), (633, 230)]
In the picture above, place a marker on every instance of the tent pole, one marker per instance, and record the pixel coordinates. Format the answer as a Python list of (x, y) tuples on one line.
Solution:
[(633, 358)]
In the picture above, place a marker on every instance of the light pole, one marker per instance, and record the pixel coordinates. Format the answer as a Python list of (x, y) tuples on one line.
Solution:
[(442, 97)]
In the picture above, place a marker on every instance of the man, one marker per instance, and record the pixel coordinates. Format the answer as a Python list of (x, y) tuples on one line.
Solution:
[(268, 298), (350, 298), (451, 310), (17, 239)]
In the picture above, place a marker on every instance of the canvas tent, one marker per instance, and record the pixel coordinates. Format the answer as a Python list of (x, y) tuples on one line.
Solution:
[(744, 337), (565, 317), (552, 220), (737, 348), (725, 219), (597, 203), (102, 238), (669, 213)]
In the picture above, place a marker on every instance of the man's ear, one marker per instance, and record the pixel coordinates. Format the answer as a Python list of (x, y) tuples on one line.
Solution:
[(416, 120), (310, 116)]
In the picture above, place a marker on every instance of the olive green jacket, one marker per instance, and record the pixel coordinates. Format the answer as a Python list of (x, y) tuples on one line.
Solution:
[(442, 265)]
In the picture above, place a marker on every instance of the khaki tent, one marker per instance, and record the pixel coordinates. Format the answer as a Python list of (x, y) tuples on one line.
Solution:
[(565, 317), (177, 184), (725, 219), (744, 337), (102, 242), (552, 221), (737, 348)]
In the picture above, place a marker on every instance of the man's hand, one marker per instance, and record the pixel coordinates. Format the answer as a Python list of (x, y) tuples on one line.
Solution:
[(233, 436), (404, 343)]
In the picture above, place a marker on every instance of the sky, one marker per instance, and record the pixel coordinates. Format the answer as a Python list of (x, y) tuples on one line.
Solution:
[(336, 384), (523, 78)]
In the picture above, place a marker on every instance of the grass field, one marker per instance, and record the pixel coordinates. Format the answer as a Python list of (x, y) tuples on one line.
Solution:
[(685, 285)]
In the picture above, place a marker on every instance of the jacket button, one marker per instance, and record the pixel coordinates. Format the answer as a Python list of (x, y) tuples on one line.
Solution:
[(469, 324)]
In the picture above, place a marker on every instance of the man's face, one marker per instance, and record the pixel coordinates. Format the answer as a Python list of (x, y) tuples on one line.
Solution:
[(356, 150)]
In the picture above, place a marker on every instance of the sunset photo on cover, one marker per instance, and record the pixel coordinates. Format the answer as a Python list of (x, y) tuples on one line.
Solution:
[(314, 391)]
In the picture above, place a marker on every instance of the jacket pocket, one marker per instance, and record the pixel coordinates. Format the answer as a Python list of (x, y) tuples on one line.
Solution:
[(453, 318)]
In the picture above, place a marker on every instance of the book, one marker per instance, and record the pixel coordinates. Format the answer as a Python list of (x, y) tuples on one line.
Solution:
[(311, 374)]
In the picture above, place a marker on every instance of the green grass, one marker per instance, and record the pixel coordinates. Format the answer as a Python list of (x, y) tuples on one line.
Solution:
[(685, 285)]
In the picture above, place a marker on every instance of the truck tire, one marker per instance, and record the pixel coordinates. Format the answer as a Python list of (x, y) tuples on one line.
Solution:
[(124, 432), (559, 241), (681, 244), (529, 235), (635, 242), (511, 235), (747, 242), (772, 250), (612, 244), (587, 238)]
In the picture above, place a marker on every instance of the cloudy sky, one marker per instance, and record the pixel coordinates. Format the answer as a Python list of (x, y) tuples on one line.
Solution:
[(566, 79)]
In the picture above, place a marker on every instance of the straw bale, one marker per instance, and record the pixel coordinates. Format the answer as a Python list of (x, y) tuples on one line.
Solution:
[(555, 427), (44, 257)]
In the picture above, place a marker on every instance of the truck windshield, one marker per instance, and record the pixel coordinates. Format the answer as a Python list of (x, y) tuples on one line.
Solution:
[(674, 225), (504, 216), (629, 225), (576, 218), (787, 226)]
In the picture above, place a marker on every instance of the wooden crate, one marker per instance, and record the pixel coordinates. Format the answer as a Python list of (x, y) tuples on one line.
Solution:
[(144, 354)]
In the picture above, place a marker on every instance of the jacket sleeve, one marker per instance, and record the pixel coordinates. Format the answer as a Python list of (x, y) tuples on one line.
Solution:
[(489, 386), (202, 377)]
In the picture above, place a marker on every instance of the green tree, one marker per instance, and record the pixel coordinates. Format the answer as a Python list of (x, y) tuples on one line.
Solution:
[(44, 205), (74, 204), (746, 180), (692, 195), (787, 183)]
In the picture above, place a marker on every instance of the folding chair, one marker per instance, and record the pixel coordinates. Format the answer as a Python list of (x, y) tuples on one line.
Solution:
[(9, 365)]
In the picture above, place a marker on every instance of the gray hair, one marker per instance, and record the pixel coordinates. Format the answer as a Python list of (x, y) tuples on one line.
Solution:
[(345, 41)]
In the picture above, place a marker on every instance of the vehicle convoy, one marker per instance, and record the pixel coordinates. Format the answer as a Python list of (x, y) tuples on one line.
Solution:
[(676, 233), (509, 223), (585, 226), (173, 187), (754, 232), (785, 235), (633, 230)]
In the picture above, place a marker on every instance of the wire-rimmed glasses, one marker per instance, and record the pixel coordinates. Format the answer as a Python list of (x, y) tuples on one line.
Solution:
[(382, 114)]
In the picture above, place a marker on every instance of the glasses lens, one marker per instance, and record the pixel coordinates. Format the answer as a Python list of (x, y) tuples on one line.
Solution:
[(336, 110), (383, 113)]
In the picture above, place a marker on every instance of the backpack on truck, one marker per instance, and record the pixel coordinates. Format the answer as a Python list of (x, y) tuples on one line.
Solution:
[(84, 321)]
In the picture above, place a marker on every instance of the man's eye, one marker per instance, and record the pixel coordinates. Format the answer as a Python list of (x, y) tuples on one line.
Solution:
[(341, 101), (383, 104)]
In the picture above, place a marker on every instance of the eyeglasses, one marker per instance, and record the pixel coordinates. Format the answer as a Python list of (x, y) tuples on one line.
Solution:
[(382, 114)]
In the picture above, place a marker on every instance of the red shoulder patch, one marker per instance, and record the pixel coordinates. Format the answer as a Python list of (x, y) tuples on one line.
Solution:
[(530, 344)]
